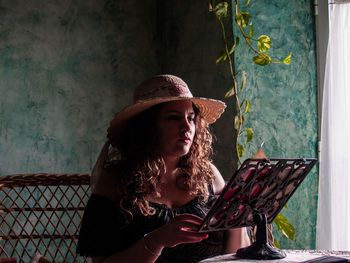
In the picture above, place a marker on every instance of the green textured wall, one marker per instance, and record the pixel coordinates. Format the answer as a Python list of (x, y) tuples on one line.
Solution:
[(66, 67), (284, 101)]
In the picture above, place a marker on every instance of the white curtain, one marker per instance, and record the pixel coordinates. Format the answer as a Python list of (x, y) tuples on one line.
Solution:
[(333, 219)]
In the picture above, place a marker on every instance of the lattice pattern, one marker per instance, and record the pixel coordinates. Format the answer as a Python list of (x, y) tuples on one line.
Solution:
[(42, 213), (259, 186)]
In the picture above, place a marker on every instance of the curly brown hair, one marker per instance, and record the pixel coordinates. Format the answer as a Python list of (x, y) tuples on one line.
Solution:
[(139, 165)]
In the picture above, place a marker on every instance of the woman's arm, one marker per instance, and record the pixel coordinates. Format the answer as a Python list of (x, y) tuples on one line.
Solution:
[(236, 237), (219, 182), (181, 229), (135, 253)]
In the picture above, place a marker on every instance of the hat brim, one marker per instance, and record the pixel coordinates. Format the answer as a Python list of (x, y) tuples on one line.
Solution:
[(210, 110)]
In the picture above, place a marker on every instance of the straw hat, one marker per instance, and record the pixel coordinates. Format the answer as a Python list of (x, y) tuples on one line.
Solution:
[(164, 88)]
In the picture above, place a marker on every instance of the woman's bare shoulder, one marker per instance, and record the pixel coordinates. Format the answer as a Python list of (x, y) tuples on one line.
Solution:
[(219, 182), (107, 185)]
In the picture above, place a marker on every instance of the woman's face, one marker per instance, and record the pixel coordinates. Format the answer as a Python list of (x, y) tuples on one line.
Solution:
[(175, 124)]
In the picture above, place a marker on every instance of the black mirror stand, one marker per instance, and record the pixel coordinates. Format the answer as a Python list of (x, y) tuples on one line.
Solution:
[(261, 249)]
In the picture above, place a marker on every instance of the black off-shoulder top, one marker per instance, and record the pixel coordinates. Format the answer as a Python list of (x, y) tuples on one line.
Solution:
[(104, 231)]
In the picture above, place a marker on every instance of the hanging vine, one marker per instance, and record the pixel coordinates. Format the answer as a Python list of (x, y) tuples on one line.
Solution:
[(262, 58)]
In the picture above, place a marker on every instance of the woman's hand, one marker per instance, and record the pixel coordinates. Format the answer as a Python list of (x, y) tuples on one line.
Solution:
[(181, 229)]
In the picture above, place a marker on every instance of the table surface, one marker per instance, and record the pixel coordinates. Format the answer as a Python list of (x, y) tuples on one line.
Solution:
[(293, 256)]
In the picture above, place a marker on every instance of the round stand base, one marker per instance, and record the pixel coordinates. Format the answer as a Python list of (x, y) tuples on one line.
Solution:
[(260, 251)]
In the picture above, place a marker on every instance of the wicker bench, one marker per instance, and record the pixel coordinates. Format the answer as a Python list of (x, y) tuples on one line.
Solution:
[(41, 213)]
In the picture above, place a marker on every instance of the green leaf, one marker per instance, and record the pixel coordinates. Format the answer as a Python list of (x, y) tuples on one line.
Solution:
[(222, 57), (247, 3), (276, 244), (210, 5), (262, 61), (230, 93), (240, 150), (250, 134), (264, 43), (285, 226), (244, 79), (287, 59), (235, 44), (286, 206), (221, 9), (236, 122), (251, 31), (242, 18), (247, 106)]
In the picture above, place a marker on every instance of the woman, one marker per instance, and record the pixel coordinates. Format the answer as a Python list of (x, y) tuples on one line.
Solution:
[(154, 181)]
